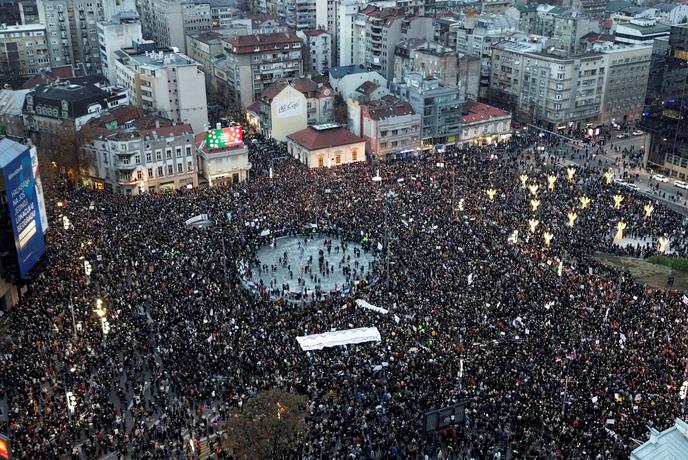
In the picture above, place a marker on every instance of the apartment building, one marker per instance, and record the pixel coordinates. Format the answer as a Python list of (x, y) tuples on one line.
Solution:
[(167, 22), (120, 32), (254, 62), (134, 153), (165, 82), (318, 52), (23, 51), (21, 12), (300, 14), (483, 124), (389, 125), (439, 105), (71, 28), (627, 70)]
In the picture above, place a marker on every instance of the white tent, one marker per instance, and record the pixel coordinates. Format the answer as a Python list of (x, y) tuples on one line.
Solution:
[(338, 338)]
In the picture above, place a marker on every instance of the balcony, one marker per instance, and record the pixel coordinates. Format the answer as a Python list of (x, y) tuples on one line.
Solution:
[(125, 166)]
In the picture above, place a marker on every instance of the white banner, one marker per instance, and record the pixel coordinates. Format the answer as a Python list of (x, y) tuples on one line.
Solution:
[(363, 304), (197, 219), (339, 338)]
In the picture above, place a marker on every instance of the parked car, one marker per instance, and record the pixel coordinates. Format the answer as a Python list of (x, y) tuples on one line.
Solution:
[(622, 136), (620, 182), (638, 132), (631, 186), (681, 184), (660, 178)]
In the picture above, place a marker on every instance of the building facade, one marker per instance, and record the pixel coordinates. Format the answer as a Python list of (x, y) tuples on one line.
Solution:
[(120, 32), (326, 146), (71, 27), (279, 111), (483, 124), (627, 71), (318, 51), (254, 62), (439, 105), (164, 82), (51, 108), (391, 128), (23, 51), (222, 166), (135, 154), (167, 22)]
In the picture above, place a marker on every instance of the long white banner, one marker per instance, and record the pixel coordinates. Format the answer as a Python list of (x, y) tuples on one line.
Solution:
[(338, 338), (363, 304)]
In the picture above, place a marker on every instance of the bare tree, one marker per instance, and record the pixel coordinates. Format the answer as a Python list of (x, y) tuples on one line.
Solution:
[(65, 155), (267, 427)]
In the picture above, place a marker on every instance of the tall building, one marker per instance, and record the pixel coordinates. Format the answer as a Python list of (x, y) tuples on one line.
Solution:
[(18, 12), (167, 22), (318, 52), (439, 105), (134, 153), (120, 32), (71, 27), (254, 62), (23, 51), (164, 82), (627, 70), (300, 14)]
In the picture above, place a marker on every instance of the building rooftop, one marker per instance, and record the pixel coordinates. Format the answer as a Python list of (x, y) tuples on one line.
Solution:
[(159, 59), (66, 91), (668, 444), (128, 122), (367, 88), (12, 101), (647, 30), (314, 32), (273, 90), (248, 44), (65, 72), (6, 29), (322, 137), (9, 150), (383, 109), (473, 111), (665, 7), (342, 71)]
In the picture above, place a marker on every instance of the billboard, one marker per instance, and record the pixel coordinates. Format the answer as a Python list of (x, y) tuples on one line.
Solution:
[(5, 452), (22, 203), (224, 137), (39, 189), (292, 107)]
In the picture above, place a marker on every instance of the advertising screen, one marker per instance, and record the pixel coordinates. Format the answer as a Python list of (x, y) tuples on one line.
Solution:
[(5, 453), (224, 137), (22, 201)]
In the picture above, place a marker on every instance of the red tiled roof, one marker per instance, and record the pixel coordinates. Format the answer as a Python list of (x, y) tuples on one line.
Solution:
[(397, 110), (473, 111), (247, 44), (274, 89), (313, 139), (255, 107), (367, 87), (64, 72), (314, 32)]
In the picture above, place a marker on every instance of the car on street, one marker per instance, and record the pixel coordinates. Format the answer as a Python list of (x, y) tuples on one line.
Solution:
[(681, 184), (620, 182), (660, 178), (631, 186), (622, 136), (638, 132)]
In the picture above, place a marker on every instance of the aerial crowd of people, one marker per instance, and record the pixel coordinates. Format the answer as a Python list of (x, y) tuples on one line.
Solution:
[(554, 354)]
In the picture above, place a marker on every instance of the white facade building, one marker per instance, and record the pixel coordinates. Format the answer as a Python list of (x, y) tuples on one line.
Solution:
[(114, 35), (168, 83), (318, 56), (224, 166)]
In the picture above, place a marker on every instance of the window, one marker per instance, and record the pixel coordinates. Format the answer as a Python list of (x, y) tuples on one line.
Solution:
[(180, 168), (188, 151), (170, 170), (160, 172), (139, 175), (149, 157), (321, 161), (354, 155), (150, 172), (168, 154), (338, 158), (158, 155), (137, 159), (189, 166), (179, 152)]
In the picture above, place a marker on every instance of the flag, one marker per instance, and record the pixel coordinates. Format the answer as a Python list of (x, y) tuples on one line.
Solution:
[(470, 279), (379, 246), (571, 355), (685, 299)]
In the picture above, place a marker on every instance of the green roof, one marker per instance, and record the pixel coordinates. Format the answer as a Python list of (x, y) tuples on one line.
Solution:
[(526, 8)]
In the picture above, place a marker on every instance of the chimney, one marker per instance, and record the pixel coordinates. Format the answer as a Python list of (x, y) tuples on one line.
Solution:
[(157, 123), (218, 125)]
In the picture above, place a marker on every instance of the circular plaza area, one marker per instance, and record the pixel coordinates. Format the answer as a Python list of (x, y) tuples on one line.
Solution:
[(307, 268)]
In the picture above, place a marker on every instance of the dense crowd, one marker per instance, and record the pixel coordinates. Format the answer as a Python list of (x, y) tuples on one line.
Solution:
[(555, 355)]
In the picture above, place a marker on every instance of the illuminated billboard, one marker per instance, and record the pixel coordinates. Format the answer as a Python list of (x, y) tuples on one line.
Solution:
[(22, 204), (224, 137)]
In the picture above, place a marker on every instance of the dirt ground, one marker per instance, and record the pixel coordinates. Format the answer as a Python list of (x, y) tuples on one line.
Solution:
[(647, 273)]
